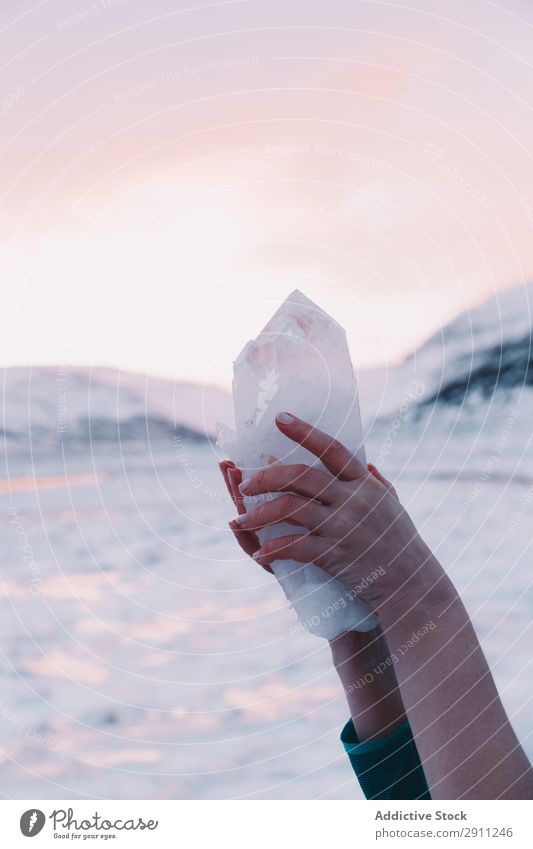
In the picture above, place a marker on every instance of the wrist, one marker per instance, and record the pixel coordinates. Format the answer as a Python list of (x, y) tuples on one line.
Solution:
[(425, 591), (357, 644), (364, 664), (366, 672)]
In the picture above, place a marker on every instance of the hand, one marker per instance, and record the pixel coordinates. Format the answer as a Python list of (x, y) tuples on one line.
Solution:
[(352, 523), (247, 539)]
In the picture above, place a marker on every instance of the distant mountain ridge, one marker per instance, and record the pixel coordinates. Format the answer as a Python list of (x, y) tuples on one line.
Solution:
[(48, 404), (483, 350), (484, 353), (462, 404), (508, 365)]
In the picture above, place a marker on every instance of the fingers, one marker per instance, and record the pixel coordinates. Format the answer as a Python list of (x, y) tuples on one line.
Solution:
[(249, 543), (234, 478), (305, 548), (297, 478), (246, 539), (224, 467), (377, 474), (286, 508), (335, 457)]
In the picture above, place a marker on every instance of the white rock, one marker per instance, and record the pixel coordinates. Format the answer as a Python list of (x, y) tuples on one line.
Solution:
[(299, 363)]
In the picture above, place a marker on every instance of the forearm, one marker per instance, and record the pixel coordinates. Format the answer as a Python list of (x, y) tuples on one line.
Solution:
[(467, 746), (355, 523), (366, 671)]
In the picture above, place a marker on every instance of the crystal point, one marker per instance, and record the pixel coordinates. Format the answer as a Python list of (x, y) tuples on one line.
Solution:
[(299, 363)]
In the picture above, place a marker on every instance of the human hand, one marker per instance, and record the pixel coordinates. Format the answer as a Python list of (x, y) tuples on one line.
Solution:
[(248, 540), (352, 522)]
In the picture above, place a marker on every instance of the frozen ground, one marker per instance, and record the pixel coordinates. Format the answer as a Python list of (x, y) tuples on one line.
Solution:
[(143, 657)]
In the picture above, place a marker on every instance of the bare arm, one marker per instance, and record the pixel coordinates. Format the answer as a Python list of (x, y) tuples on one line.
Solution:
[(367, 675), (465, 741), (362, 661), (350, 524)]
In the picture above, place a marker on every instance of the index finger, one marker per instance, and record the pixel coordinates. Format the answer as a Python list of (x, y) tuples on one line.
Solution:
[(299, 478), (335, 456)]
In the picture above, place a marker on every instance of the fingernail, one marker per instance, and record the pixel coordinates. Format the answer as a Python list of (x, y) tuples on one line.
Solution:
[(257, 554), (285, 418), (240, 520), (244, 487)]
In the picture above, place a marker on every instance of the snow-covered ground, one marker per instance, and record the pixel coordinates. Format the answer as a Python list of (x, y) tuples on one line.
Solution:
[(144, 657)]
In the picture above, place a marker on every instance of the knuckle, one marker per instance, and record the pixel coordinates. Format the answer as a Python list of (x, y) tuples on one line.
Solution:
[(343, 524), (320, 482), (291, 503), (337, 514), (321, 560), (258, 479), (280, 548), (294, 547), (308, 513), (336, 447), (335, 450), (257, 516), (294, 476), (271, 547)]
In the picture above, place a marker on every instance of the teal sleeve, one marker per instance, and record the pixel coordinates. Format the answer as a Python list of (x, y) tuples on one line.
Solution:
[(389, 768)]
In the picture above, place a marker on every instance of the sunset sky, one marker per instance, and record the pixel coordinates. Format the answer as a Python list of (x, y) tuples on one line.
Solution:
[(170, 174)]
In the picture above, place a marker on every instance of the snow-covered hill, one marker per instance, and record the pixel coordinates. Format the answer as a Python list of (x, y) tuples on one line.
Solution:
[(482, 359), (483, 355), (483, 350), (77, 404), (462, 404)]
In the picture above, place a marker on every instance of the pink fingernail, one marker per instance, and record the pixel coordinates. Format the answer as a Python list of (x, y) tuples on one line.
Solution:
[(285, 418), (244, 487), (240, 520)]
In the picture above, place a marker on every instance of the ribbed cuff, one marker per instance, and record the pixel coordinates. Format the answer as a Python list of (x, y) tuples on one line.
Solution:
[(388, 768), (393, 742)]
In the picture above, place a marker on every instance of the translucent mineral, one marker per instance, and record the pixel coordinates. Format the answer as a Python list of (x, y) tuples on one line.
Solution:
[(299, 363)]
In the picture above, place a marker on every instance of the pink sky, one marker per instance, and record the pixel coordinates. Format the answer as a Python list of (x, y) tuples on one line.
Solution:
[(170, 176)]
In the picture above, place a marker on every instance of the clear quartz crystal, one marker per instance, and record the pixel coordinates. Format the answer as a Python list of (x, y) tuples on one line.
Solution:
[(299, 363)]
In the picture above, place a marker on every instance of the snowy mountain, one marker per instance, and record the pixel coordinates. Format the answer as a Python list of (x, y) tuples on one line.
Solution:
[(483, 356), (462, 404), (486, 349), (78, 405)]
